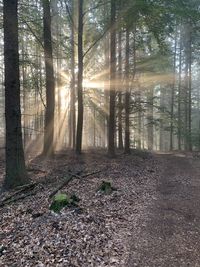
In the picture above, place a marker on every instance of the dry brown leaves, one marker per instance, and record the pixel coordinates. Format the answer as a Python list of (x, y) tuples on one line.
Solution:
[(98, 232)]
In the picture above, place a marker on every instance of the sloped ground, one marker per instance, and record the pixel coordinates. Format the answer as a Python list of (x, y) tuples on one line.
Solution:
[(170, 233), (97, 233), (153, 219)]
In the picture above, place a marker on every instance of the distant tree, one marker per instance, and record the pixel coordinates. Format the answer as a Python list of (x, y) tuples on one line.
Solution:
[(15, 164), (127, 96)]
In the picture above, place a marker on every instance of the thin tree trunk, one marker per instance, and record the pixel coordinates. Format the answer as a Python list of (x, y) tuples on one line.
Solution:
[(106, 91), (55, 29), (189, 89), (80, 80), (111, 130), (179, 95), (127, 98), (139, 133), (15, 163), (72, 129), (119, 85), (24, 118), (150, 119), (162, 104), (172, 96)]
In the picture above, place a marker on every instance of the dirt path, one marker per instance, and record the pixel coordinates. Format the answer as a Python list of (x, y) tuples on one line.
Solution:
[(170, 234)]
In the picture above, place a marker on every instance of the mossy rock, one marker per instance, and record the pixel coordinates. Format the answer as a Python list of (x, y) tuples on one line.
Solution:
[(106, 188), (59, 202), (62, 200)]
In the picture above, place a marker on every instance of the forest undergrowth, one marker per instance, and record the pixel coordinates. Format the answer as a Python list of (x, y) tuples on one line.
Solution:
[(95, 232)]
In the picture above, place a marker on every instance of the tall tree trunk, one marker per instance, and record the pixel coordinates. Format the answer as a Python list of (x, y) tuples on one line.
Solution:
[(106, 47), (172, 95), (48, 149), (120, 139), (162, 106), (72, 130), (24, 86), (187, 91), (106, 91), (186, 107), (189, 87), (179, 94), (127, 97), (150, 119), (59, 117), (111, 130), (119, 86), (80, 80), (139, 132), (15, 163)]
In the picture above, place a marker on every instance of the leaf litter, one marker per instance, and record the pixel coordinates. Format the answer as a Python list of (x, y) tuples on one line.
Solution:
[(96, 232)]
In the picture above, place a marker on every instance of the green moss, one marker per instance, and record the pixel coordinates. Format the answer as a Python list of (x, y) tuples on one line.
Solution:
[(59, 202), (62, 200)]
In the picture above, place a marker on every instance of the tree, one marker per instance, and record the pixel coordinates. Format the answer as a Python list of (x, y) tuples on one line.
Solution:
[(48, 149), (111, 130), (72, 130), (15, 164), (173, 94), (127, 96), (119, 85), (80, 79)]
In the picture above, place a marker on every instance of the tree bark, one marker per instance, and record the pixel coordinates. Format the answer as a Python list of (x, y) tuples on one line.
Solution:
[(127, 97), (111, 129), (179, 94), (15, 164), (80, 80), (72, 130), (119, 85), (48, 149), (150, 119), (190, 87), (173, 95)]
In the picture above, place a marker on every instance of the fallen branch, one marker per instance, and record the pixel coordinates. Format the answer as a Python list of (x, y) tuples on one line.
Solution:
[(66, 181), (19, 198), (35, 170), (83, 176), (14, 197), (69, 178)]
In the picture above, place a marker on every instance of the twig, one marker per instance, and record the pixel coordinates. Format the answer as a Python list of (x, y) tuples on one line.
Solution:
[(66, 181), (17, 198), (34, 34), (95, 42)]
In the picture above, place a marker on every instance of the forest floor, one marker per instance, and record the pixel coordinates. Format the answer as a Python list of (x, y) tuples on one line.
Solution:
[(151, 219), (170, 235)]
